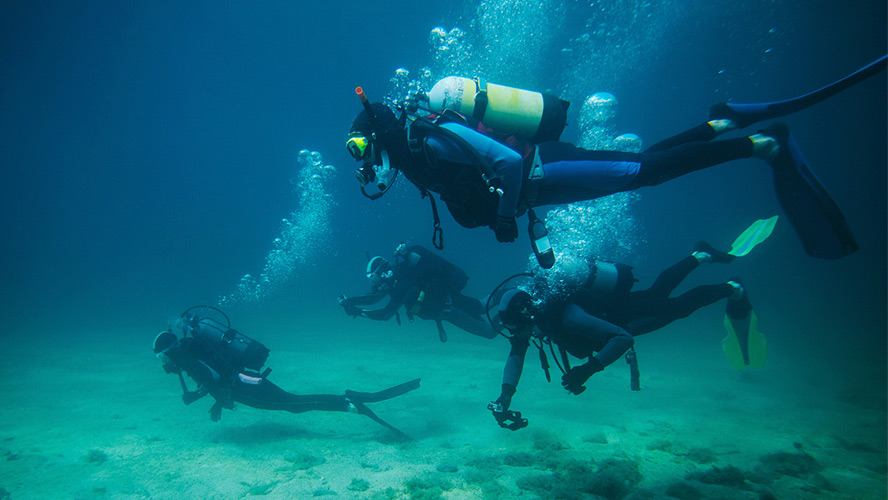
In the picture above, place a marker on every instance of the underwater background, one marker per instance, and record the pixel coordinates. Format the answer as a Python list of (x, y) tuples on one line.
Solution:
[(159, 155)]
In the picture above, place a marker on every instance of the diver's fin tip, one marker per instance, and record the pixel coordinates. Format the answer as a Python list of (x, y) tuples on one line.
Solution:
[(812, 212), (752, 236)]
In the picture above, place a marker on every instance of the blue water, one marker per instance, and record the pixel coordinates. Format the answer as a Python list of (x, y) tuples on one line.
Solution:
[(148, 151)]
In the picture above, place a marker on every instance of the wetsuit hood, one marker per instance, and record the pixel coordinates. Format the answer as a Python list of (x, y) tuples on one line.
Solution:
[(384, 124), (516, 309)]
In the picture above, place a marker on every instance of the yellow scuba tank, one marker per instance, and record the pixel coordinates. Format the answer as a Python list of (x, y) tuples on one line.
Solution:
[(531, 115)]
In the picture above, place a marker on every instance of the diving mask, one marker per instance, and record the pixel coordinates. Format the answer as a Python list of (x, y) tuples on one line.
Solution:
[(359, 147)]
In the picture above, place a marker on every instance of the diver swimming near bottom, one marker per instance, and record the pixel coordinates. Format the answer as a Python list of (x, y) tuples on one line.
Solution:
[(599, 316), (227, 365), (427, 285)]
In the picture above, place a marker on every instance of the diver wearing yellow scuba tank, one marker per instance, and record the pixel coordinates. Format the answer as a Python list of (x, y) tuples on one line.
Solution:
[(487, 181), (563, 173)]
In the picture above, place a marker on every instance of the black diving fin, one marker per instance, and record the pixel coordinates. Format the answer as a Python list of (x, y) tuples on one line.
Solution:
[(745, 114), (360, 398), (811, 211)]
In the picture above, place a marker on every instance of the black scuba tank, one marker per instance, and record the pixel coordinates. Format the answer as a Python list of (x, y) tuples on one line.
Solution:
[(230, 345)]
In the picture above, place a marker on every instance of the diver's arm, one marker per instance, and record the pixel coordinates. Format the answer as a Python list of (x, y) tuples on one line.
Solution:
[(352, 304), (615, 348), (512, 370), (209, 382), (609, 340), (189, 397), (383, 314), (363, 300), (396, 300), (504, 161)]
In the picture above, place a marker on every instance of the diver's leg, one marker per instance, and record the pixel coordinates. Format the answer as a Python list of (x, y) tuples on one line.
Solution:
[(573, 174), (607, 339), (661, 166), (680, 307), (267, 396), (672, 276), (466, 314), (704, 132), (470, 324)]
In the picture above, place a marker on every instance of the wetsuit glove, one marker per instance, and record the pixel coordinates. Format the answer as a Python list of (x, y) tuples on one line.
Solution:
[(190, 397), (216, 412), (505, 399), (506, 229), (349, 307), (574, 379)]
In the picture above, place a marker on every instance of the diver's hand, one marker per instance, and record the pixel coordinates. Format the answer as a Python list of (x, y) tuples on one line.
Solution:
[(574, 379), (216, 412), (191, 396), (507, 419), (506, 229), (505, 399), (350, 309)]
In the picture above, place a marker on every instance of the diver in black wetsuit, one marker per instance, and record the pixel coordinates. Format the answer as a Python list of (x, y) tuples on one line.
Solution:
[(225, 364), (643, 311), (426, 285), (599, 321)]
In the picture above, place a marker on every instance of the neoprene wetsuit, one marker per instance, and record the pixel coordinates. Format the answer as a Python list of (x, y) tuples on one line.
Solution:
[(571, 174), (587, 326), (228, 385)]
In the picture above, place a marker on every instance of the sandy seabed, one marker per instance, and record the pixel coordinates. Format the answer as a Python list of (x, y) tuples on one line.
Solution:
[(98, 419)]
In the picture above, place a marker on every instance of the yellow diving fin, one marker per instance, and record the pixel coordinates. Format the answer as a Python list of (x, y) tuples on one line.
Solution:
[(744, 346), (756, 233)]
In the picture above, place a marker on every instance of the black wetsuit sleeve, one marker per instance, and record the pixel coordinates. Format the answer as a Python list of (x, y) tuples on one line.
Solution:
[(363, 300), (386, 312), (397, 296), (187, 357), (607, 339), (515, 361), (371, 298)]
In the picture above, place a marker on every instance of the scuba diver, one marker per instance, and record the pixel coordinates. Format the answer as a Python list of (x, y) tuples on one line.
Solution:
[(597, 317), (427, 285), (227, 365), (492, 153)]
